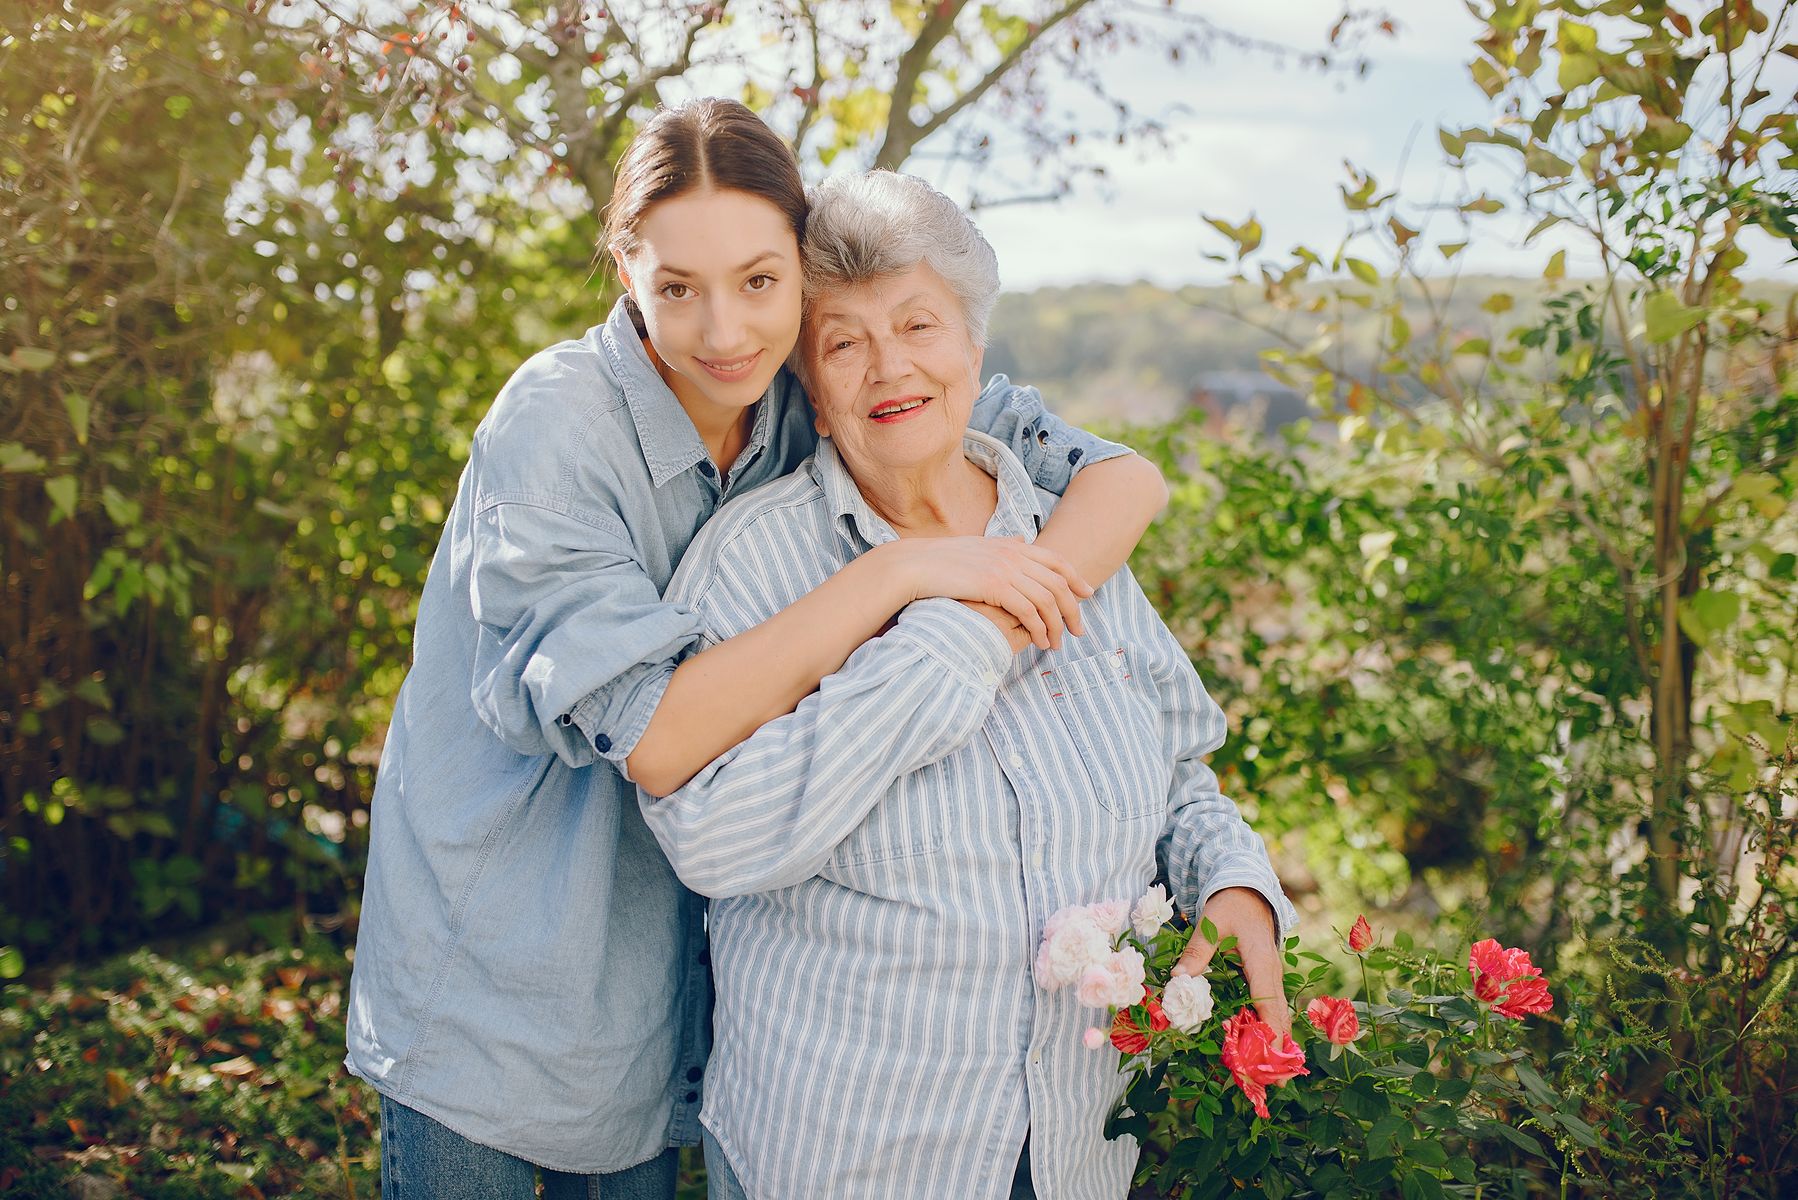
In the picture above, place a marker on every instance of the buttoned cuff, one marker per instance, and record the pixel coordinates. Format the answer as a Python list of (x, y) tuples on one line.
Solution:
[(612, 718), (958, 637), (1285, 916)]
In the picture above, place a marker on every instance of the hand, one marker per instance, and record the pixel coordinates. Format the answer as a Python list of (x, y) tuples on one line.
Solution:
[(1037, 587), (1010, 626), (1245, 913)]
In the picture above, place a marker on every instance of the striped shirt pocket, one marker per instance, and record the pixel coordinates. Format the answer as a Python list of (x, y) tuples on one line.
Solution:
[(1129, 774)]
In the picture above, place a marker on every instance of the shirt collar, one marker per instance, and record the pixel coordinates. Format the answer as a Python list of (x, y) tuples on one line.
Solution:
[(1017, 514), (670, 442)]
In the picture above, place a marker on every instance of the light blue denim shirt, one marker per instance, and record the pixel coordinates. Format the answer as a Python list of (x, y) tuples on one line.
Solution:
[(529, 972)]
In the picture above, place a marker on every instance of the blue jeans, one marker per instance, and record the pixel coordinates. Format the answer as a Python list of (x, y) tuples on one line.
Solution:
[(721, 1183), (423, 1160)]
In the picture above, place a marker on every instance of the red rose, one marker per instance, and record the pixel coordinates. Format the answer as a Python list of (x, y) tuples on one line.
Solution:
[(1507, 980), (1257, 1058), (1360, 935), (1335, 1019), (1132, 1038)]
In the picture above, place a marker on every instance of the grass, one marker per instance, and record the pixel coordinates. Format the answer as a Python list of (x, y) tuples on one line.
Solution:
[(199, 1071)]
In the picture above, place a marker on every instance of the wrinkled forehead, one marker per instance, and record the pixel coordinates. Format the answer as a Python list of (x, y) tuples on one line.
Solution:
[(882, 300)]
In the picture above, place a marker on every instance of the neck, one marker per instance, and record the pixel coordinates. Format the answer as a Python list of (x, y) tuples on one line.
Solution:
[(723, 429), (950, 497)]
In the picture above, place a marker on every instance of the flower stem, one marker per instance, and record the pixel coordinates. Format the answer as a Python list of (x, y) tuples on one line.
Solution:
[(1373, 1022)]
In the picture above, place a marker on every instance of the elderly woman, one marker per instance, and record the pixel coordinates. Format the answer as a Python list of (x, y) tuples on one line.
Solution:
[(883, 859)]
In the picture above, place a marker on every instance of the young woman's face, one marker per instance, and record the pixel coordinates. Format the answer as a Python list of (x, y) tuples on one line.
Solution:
[(716, 274)]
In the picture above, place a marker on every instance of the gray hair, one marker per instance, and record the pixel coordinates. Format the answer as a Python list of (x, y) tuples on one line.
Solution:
[(875, 224)]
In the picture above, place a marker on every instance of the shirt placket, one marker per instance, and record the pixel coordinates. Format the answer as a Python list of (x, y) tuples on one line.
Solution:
[(695, 1021), (1012, 751)]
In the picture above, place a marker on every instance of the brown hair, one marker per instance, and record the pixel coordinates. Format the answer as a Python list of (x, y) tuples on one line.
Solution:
[(710, 142)]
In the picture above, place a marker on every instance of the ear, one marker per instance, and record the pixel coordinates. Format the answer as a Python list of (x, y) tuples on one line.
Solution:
[(621, 266)]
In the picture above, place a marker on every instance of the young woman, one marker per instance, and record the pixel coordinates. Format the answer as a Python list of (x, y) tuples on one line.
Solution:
[(530, 987)]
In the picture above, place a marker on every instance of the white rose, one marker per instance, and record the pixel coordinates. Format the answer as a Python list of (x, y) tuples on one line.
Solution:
[(1072, 943), (1186, 1001), (1152, 912)]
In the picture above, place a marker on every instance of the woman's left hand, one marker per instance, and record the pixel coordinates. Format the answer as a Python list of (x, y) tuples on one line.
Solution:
[(1244, 913)]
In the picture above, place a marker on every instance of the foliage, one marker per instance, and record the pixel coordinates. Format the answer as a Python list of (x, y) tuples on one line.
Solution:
[(202, 1070), (1436, 1094), (202, 1075), (1529, 623), (266, 266)]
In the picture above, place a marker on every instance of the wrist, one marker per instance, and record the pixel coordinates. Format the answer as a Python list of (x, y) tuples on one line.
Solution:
[(892, 570)]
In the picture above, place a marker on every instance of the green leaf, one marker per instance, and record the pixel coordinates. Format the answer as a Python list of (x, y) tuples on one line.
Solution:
[(1535, 1086), (1388, 1134), (1666, 318), (1366, 272), (63, 492), (14, 457), (1540, 160), (1450, 249), (12, 963), (77, 407), (33, 358)]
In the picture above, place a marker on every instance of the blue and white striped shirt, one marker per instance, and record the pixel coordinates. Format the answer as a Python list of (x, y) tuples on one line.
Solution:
[(882, 861)]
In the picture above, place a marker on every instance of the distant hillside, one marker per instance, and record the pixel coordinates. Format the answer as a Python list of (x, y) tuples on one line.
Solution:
[(1134, 353)]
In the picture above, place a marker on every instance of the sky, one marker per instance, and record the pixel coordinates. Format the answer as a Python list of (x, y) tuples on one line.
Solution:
[(1271, 141)]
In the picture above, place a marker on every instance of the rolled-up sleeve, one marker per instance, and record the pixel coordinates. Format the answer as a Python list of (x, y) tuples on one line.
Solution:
[(770, 812), (575, 644), (1051, 450), (1206, 845)]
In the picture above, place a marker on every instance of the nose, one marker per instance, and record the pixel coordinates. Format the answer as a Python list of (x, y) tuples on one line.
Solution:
[(887, 358), (724, 326)]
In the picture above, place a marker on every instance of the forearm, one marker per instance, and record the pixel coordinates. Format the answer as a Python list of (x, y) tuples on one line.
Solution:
[(767, 813), (1103, 515), (719, 697)]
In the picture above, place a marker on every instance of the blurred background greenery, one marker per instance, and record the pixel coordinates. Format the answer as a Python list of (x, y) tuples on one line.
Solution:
[(1496, 577)]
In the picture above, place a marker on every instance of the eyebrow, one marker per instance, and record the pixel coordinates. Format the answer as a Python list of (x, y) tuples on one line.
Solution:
[(757, 261), (825, 315)]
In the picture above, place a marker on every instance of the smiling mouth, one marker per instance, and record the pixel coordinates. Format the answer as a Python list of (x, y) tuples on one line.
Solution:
[(730, 370), (898, 410)]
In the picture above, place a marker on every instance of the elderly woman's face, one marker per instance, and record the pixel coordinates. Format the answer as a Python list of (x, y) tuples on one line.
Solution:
[(894, 373)]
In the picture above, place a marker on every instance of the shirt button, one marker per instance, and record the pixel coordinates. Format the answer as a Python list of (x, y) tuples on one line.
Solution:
[(707, 469), (692, 1096), (602, 743), (694, 1073), (1073, 456), (705, 958), (1016, 760), (1036, 859)]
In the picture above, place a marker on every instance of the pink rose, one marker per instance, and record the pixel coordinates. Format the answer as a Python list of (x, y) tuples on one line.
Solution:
[(1115, 982), (1072, 943), (1095, 1038), (1113, 916), (1507, 980), (1334, 1018), (1360, 935), (1258, 1059)]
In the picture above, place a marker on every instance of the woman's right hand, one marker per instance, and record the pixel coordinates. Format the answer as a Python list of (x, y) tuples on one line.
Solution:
[(1035, 586)]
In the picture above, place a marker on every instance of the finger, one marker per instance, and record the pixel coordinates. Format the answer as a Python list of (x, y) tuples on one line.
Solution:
[(1196, 958), (1065, 598), (1267, 987), (1277, 1014), (1018, 605), (1062, 567), (1046, 607)]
